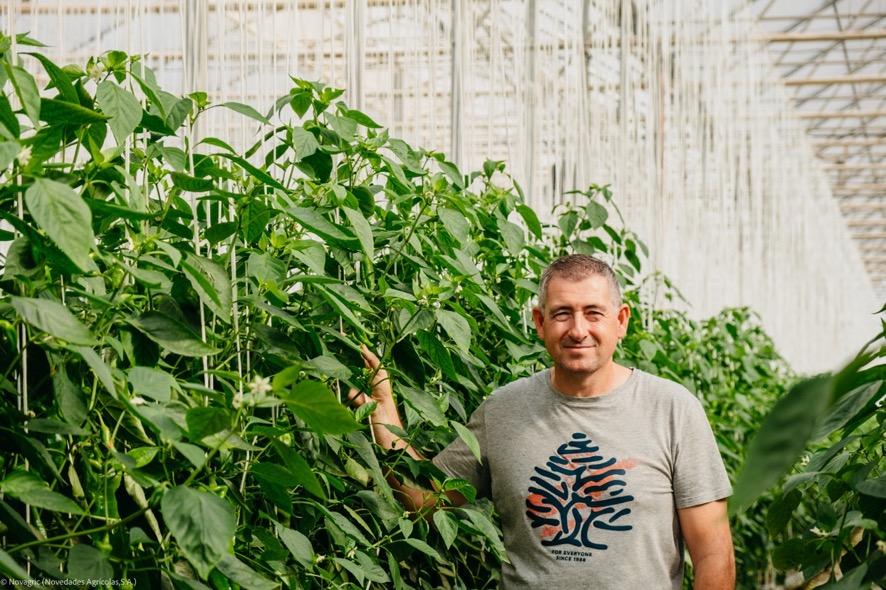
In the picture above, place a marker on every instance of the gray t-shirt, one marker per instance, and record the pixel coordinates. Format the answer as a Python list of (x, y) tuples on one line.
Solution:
[(587, 488)]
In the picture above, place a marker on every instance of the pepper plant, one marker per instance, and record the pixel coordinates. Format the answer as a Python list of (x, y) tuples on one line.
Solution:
[(178, 321)]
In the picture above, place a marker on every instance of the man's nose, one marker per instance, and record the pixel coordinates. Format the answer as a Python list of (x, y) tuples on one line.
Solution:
[(578, 330)]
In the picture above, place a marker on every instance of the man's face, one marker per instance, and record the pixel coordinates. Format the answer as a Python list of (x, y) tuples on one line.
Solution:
[(580, 324)]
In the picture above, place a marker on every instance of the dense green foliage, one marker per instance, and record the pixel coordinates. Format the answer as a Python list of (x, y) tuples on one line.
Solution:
[(830, 513), (179, 321)]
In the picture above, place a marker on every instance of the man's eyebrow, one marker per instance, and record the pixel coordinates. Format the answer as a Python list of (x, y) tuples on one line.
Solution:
[(593, 307)]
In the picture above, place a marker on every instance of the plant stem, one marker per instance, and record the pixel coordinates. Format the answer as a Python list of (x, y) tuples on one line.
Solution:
[(100, 529)]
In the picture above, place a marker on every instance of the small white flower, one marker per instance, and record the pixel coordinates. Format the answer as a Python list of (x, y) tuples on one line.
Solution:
[(96, 70), (881, 546), (138, 401), (804, 460), (260, 386), (24, 156), (238, 399)]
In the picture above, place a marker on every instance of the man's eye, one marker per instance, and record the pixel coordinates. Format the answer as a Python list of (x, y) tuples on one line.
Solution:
[(561, 317)]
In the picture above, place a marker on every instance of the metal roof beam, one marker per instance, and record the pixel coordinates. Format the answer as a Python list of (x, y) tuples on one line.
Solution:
[(857, 79), (857, 35), (840, 114)]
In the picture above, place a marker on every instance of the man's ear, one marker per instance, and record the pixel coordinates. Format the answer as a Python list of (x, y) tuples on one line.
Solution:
[(539, 318), (624, 315)]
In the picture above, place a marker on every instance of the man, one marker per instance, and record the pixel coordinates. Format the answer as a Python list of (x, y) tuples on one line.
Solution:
[(599, 472)]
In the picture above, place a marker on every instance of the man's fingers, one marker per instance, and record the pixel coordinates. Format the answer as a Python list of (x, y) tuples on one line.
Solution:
[(356, 397), (369, 357)]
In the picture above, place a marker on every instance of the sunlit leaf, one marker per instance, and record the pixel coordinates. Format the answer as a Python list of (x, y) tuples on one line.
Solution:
[(202, 523), (65, 218)]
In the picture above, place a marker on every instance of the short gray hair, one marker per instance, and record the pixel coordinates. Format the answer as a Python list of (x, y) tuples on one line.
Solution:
[(576, 267)]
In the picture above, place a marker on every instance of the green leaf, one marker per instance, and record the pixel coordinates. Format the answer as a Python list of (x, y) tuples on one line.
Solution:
[(275, 474), (170, 334), (99, 367), (345, 127), (178, 113), (237, 571), (49, 500), (202, 523), (154, 383), (315, 222), (298, 544), (51, 426), (469, 438), (781, 438), (447, 526), (11, 569), (455, 223), (456, 327), (220, 231), (8, 118), (781, 510), (362, 229), (597, 214), (328, 366), (346, 526), (61, 113), (531, 220), (190, 183), (53, 318), (68, 397), (303, 143), (255, 219), (88, 563), (317, 406), (58, 77), (65, 218), (361, 118), (425, 548), (482, 523), (423, 403), (246, 110), (205, 421), (512, 236), (256, 173), (873, 487), (452, 171), (372, 570), (9, 150), (299, 468), (851, 580), (192, 453), (211, 283), (26, 89)]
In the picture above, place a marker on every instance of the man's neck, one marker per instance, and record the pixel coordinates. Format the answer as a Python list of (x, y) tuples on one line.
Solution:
[(600, 382)]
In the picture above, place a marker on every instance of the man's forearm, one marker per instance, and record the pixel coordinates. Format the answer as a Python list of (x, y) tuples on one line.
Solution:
[(383, 417), (715, 571)]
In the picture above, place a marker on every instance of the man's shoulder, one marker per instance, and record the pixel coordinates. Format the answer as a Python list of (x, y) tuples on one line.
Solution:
[(664, 389), (519, 388)]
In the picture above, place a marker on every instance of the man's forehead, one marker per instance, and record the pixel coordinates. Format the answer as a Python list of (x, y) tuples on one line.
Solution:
[(590, 290)]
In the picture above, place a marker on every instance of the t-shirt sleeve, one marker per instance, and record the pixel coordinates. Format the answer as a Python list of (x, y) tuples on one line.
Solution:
[(699, 476), (457, 460)]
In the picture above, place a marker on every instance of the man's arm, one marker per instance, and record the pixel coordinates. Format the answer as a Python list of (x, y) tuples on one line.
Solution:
[(706, 531), (414, 499)]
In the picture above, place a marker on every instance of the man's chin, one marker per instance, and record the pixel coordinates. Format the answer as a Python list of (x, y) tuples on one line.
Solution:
[(577, 367)]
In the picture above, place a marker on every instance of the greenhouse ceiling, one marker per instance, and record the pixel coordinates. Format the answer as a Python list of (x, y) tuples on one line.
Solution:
[(831, 56)]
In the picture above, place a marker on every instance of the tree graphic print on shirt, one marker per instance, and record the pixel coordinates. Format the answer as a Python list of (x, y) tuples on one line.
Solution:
[(577, 494)]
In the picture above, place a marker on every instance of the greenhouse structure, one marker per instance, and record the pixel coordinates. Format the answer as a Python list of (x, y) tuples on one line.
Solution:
[(209, 209)]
